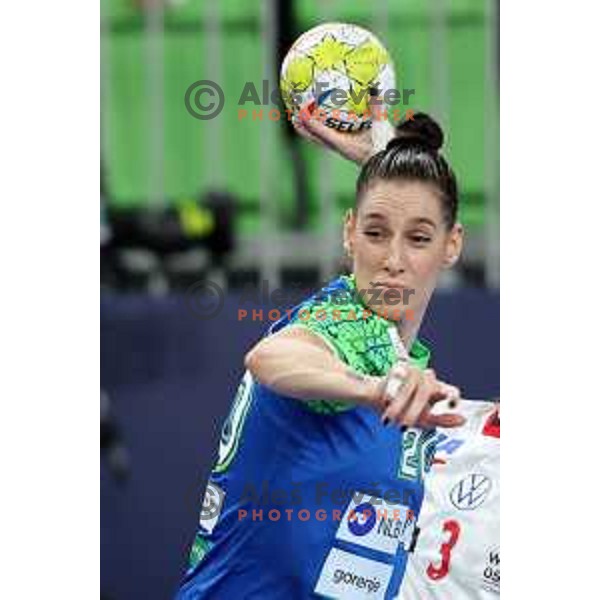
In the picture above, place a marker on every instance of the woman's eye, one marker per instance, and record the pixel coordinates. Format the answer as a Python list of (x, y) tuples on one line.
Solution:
[(420, 238), (373, 233)]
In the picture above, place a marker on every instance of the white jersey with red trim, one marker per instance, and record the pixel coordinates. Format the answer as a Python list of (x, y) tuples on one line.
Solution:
[(457, 554)]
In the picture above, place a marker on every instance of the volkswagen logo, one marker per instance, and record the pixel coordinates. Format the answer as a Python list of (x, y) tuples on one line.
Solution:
[(471, 492)]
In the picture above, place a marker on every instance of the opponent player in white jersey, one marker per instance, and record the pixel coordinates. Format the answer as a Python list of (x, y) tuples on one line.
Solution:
[(457, 554)]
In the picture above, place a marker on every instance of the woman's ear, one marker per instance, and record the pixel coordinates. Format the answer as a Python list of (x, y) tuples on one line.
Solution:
[(454, 245), (349, 231)]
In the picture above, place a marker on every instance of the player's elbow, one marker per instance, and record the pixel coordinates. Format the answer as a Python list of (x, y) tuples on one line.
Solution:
[(254, 361), (263, 361), (250, 360)]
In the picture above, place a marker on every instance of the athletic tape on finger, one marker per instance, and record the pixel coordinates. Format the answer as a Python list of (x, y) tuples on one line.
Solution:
[(394, 385)]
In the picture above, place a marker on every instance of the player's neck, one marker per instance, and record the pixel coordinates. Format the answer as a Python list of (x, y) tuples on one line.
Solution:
[(408, 329)]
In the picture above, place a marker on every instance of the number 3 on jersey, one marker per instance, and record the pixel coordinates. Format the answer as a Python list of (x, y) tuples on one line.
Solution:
[(440, 571)]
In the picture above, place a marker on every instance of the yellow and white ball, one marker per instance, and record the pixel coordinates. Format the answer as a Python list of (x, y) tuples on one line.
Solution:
[(333, 66)]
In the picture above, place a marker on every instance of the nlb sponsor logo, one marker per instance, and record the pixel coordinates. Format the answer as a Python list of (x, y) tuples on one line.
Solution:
[(352, 577), (377, 525), (362, 519)]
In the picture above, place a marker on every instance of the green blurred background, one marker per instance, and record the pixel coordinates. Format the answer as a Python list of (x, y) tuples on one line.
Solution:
[(155, 155)]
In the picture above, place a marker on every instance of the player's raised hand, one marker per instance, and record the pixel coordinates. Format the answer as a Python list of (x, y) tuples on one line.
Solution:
[(355, 146), (408, 396)]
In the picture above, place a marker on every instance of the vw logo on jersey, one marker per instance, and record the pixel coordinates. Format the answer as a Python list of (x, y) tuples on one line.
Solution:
[(471, 492), (362, 519)]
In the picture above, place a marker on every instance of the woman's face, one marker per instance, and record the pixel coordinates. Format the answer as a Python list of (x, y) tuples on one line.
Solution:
[(399, 244)]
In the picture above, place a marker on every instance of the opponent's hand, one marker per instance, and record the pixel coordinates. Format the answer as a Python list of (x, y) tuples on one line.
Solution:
[(357, 147), (408, 395)]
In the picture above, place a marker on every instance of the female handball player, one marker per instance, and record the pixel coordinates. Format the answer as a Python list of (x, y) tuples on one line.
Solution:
[(319, 476)]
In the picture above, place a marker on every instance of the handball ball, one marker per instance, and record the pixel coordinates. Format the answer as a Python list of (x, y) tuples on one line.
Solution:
[(333, 67)]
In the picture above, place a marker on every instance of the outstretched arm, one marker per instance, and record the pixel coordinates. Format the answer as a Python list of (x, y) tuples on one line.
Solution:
[(297, 363)]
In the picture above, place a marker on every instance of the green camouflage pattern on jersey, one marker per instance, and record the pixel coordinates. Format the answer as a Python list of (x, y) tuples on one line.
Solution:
[(360, 339)]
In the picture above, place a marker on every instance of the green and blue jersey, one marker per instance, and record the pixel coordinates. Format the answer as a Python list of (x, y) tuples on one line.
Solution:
[(313, 499)]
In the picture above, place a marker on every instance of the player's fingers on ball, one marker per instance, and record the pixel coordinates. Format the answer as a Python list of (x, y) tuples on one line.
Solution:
[(318, 131), (352, 146), (329, 136), (306, 109), (315, 131), (316, 127), (300, 128), (298, 125)]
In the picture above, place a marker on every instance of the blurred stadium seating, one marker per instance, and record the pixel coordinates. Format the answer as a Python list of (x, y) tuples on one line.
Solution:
[(155, 155)]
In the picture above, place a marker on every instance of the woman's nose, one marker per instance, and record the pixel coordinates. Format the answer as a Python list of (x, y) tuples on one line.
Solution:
[(396, 261)]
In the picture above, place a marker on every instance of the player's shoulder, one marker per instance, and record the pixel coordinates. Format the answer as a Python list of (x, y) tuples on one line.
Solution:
[(357, 336), (323, 308)]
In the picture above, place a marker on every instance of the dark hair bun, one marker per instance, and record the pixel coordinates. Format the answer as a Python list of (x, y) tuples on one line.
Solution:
[(419, 131)]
